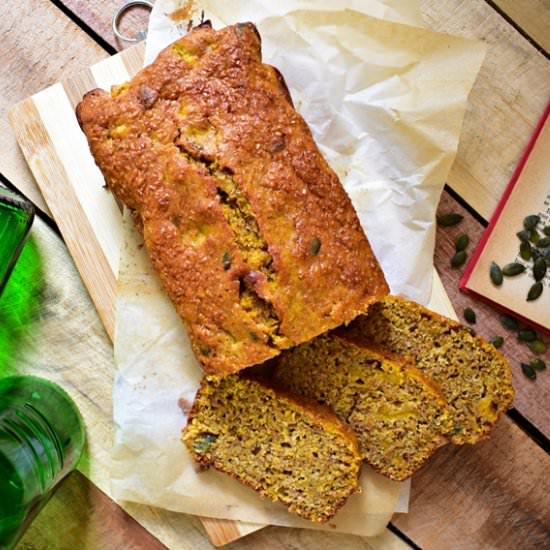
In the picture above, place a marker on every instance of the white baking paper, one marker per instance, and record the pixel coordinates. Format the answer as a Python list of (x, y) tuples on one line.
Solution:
[(385, 102)]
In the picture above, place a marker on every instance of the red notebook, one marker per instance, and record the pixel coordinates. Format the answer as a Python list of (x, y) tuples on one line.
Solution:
[(527, 193)]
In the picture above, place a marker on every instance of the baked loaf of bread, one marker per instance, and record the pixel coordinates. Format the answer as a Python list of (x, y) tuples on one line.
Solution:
[(398, 414), (252, 234), (289, 450), (474, 377)]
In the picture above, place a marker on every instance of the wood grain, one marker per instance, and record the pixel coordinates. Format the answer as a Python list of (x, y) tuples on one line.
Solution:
[(495, 494), (39, 47), (67, 337), (532, 397), (532, 16), (79, 234), (505, 104), (81, 516)]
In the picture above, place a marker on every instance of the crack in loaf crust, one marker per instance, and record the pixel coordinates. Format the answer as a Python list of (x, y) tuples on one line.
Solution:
[(289, 449), (253, 236), (398, 414), (474, 377)]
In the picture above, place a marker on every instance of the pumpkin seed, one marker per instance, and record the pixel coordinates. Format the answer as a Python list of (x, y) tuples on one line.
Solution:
[(534, 236), (496, 274), (509, 322), (470, 315), (527, 335), (240, 29), (530, 222), (544, 242), (203, 442), (513, 269), (497, 341), (525, 250), (462, 242), (546, 230), (537, 346), (523, 235), (449, 219), (315, 246), (539, 269), (528, 371), (535, 291), (459, 258), (226, 260), (537, 363)]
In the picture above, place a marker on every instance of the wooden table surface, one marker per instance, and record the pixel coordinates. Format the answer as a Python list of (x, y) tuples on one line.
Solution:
[(492, 495)]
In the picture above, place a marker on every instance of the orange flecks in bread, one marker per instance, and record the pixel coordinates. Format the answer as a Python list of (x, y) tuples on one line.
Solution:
[(474, 377), (398, 415)]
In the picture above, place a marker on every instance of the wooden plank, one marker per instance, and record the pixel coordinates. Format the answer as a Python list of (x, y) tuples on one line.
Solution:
[(36, 51), (532, 397), (532, 16), (168, 521), (80, 516), (505, 104), (495, 494)]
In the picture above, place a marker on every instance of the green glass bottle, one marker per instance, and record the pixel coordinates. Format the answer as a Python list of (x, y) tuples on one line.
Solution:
[(41, 440), (16, 216)]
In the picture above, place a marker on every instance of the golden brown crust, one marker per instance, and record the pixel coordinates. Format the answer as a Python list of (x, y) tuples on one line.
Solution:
[(319, 413), (205, 114)]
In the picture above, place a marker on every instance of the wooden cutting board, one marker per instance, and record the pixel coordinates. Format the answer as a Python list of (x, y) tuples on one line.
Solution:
[(88, 217)]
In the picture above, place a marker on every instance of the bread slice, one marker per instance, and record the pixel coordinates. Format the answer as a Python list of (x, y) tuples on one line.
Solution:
[(252, 234), (397, 413), (474, 377), (289, 450)]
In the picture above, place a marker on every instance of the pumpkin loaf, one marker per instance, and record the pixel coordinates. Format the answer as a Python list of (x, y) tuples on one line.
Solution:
[(474, 377), (289, 450), (251, 232), (397, 413)]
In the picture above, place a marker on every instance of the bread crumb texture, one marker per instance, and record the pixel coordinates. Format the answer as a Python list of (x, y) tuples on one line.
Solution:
[(474, 377), (398, 415), (289, 450)]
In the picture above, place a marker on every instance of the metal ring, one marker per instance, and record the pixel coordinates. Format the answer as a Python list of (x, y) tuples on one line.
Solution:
[(118, 15)]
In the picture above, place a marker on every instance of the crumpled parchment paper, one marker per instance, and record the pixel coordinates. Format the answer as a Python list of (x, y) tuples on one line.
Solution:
[(385, 101)]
